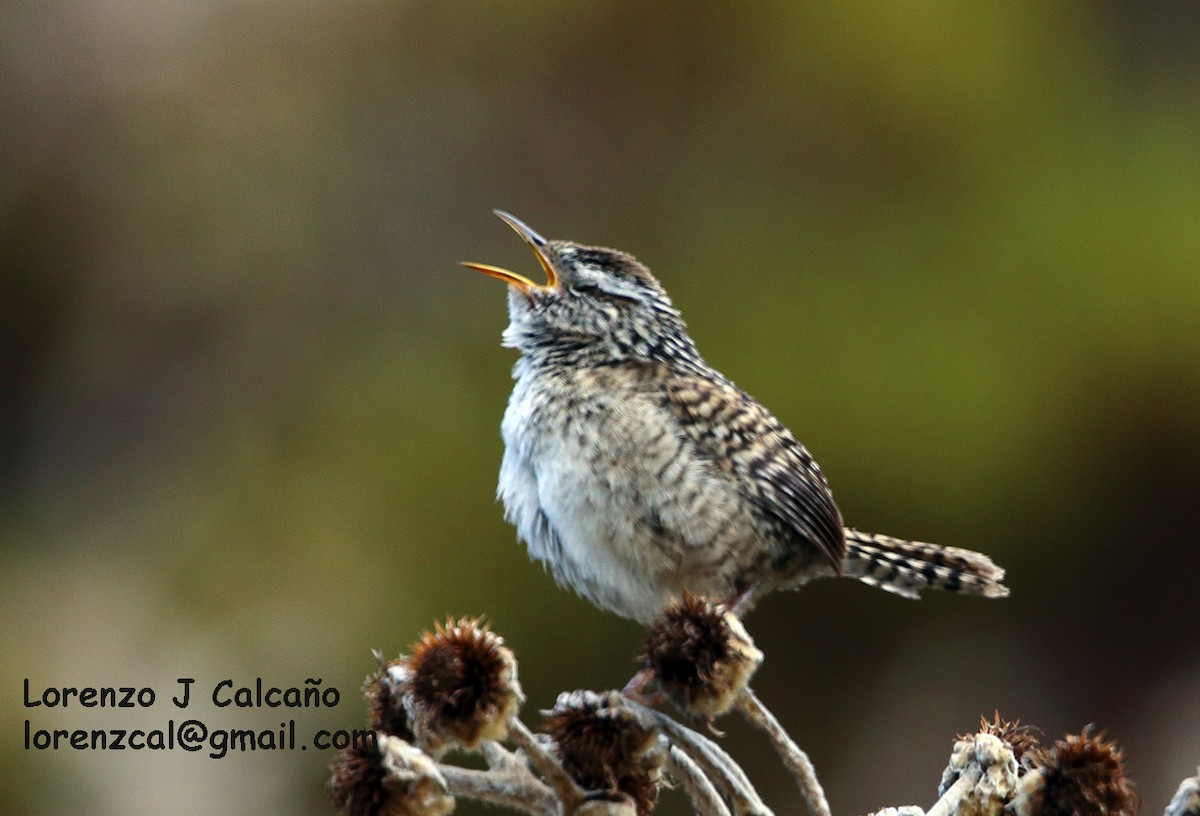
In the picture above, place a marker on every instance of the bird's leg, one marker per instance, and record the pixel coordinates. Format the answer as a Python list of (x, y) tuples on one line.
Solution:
[(741, 602)]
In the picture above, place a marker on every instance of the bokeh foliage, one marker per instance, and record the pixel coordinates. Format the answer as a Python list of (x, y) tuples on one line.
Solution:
[(250, 405)]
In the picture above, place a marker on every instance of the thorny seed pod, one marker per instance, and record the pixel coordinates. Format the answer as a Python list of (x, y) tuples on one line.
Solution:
[(356, 785), (1019, 737), (384, 692), (700, 655), (1081, 774), (992, 759), (606, 746), (387, 777), (1186, 801), (461, 686)]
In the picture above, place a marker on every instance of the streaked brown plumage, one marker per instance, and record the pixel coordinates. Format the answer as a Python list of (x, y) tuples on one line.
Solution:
[(636, 471)]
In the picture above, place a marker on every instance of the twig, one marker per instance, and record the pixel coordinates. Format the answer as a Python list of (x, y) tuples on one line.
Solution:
[(499, 757), (512, 788), (725, 774), (699, 787), (569, 793), (795, 759), (949, 802)]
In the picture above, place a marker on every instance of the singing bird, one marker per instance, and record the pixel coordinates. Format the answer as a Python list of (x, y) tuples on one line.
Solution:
[(636, 471)]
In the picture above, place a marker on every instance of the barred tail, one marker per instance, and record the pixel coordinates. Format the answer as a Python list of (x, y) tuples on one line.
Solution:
[(907, 567)]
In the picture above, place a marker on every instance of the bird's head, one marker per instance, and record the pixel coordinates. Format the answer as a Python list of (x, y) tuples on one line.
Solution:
[(596, 304)]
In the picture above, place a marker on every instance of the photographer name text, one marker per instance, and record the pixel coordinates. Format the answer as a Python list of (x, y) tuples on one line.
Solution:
[(224, 694)]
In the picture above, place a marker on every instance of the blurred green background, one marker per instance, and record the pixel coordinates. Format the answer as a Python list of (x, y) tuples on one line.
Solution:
[(250, 405)]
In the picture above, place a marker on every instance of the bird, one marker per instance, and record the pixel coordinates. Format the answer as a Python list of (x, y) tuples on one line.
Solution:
[(636, 472)]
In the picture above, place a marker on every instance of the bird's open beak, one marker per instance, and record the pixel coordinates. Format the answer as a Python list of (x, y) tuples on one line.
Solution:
[(536, 242)]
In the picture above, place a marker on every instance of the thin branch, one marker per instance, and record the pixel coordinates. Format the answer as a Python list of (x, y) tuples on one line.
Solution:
[(795, 759), (725, 774), (569, 793), (512, 788), (499, 757), (705, 799), (950, 801)]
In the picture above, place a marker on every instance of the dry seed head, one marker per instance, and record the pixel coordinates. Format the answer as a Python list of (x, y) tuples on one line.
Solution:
[(992, 759), (606, 747), (461, 686), (700, 655), (1019, 737), (356, 786), (1186, 801), (387, 777), (1077, 776), (384, 692)]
